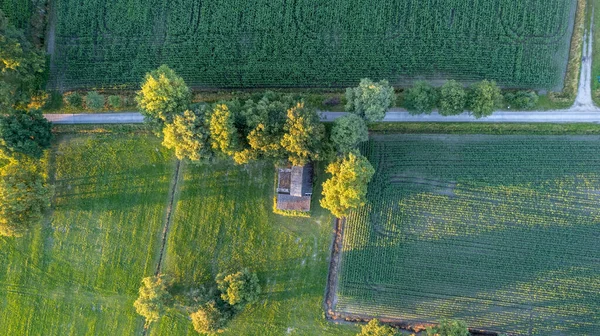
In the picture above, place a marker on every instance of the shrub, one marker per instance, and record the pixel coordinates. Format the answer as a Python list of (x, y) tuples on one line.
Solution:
[(421, 98), (74, 99), (374, 328), (94, 100), (449, 328), (38, 100), (239, 289), (453, 98), (210, 318), (525, 99), (370, 100), (114, 101), (332, 101)]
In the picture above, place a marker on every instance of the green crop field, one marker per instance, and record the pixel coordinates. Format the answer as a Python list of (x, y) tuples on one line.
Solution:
[(223, 222), (18, 11), (500, 231), (79, 273), (308, 43)]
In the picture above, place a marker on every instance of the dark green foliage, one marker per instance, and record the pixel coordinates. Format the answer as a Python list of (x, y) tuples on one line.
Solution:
[(370, 100), (449, 328), (348, 131), (485, 98), (24, 132), (421, 98), (239, 289), (114, 101), (210, 318), (453, 98), (74, 100), (94, 100), (24, 195), (522, 100)]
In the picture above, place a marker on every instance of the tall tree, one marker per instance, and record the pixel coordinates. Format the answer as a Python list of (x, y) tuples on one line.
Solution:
[(239, 289), (421, 98), (304, 133), (210, 318), (24, 132), (370, 100), (485, 98), (348, 131), (223, 133), (163, 95), (24, 195), (346, 189), (154, 298), (453, 98), (188, 135)]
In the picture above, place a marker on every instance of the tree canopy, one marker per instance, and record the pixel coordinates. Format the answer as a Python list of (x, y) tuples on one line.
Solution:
[(154, 298), (25, 132), (187, 134), (485, 97), (239, 289), (370, 100), (453, 98), (348, 131), (209, 318), (24, 195), (223, 133), (375, 328), (448, 327), (346, 189), (303, 137), (163, 95), (422, 97)]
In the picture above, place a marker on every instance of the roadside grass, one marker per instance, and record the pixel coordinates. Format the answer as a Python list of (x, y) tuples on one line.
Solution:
[(224, 222), (79, 272)]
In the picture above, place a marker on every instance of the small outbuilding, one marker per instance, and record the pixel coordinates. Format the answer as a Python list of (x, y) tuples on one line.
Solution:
[(294, 188)]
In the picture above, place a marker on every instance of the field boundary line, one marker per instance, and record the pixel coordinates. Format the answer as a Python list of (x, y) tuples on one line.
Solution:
[(169, 216)]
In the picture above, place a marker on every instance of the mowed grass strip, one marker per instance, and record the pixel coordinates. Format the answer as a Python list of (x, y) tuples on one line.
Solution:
[(224, 222), (500, 231), (79, 273)]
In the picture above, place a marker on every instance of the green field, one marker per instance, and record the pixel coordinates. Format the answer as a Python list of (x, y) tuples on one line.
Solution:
[(78, 274), (500, 231), (309, 43), (223, 222), (17, 11)]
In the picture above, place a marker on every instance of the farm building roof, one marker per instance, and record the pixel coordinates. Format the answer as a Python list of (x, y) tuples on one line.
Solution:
[(294, 188)]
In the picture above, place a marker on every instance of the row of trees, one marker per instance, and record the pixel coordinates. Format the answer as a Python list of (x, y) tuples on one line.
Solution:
[(209, 308), (481, 99), (446, 327), (273, 126)]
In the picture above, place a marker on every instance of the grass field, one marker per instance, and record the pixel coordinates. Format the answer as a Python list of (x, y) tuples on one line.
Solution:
[(500, 231), (78, 274), (223, 222), (307, 43)]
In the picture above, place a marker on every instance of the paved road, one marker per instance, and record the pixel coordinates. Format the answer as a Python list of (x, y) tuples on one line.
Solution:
[(97, 118)]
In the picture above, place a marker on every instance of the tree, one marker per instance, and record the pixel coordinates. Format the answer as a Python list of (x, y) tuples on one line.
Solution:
[(24, 132), (223, 133), (74, 99), (239, 289), (303, 136), (209, 318), (24, 195), (346, 189), (163, 95), (94, 100), (453, 98), (374, 328), (449, 328), (348, 131), (188, 135), (370, 100), (421, 98), (485, 97), (154, 298), (524, 99)]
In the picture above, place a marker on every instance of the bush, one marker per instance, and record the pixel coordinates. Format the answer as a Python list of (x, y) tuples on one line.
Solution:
[(374, 328), (421, 98), (449, 328), (114, 101), (370, 100), (453, 98), (524, 100), (332, 101), (210, 318), (38, 100), (74, 99), (238, 289), (94, 100)]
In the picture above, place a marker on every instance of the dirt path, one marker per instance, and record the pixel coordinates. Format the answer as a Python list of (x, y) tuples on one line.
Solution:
[(169, 216), (584, 93)]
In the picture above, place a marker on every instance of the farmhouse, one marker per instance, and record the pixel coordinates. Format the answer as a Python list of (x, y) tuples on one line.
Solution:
[(294, 188)]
